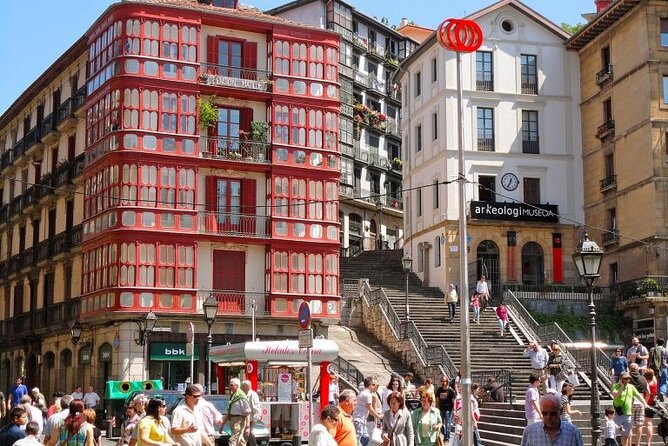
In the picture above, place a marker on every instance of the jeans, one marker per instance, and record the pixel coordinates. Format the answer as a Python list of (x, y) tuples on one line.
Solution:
[(361, 432), (451, 309), (557, 383), (446, 415), (476, 436), (476, 314), (663, 382)]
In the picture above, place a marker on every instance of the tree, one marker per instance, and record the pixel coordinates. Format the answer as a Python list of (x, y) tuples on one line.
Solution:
[(572, 29)]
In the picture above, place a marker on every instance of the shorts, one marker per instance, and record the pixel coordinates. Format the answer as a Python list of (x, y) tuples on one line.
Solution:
[(638, 416), (624, 422)]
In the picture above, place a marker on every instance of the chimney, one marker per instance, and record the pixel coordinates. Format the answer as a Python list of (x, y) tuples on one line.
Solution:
[(602, 5), (404, 22)]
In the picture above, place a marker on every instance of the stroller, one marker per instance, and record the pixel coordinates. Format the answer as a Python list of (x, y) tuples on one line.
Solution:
[(661, 410)]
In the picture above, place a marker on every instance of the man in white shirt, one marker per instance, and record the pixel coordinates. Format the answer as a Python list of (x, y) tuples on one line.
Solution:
[(57, 417), (532, 401), (210, 417), (256, 411), (483, 291), (363, 408), (31, 436), (91, 399), (34, 413), (187, 426), (78, 393), (539, 357)]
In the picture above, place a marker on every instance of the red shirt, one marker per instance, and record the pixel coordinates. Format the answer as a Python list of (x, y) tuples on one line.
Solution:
[(653, 386)]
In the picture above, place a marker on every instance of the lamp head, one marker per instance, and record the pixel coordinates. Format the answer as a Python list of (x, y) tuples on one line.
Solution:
[(210, 308), (587, 258), (75, 330), (407, 262)]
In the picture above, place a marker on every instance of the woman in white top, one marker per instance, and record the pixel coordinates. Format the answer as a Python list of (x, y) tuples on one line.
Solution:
[(321, 434), (393, 386)]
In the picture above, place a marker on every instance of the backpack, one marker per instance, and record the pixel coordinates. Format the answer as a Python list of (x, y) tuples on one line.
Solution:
[(656, 358)]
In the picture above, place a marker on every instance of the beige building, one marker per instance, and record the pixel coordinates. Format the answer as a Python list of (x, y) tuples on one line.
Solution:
[(623, 54)]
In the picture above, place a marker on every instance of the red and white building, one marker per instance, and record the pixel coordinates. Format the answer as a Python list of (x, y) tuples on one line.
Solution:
[(210, 137)]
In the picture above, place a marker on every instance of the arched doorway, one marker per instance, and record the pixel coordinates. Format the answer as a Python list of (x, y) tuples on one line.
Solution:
[(487, 263), (5, 374), (373, 235), (533, 271), (65, 382), (32, 371), (49, 378), (355, 234)]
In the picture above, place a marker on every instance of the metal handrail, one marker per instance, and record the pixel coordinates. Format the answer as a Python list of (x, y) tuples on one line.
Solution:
[(348, 373), (503, 379)]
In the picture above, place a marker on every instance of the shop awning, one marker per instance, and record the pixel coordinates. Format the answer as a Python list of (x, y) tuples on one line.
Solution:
[(274, 352)]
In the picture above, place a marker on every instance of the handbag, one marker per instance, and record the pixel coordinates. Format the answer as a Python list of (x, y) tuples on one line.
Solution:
[(573, 378), (439, 440), (376, 437)]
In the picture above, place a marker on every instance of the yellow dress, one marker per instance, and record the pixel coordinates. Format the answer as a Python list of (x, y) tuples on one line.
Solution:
[(157, 429)]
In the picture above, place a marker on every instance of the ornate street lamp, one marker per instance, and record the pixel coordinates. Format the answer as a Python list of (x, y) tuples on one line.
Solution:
[(407, 262), (75, 331), (587, 258), (146, 325), (210, 311)]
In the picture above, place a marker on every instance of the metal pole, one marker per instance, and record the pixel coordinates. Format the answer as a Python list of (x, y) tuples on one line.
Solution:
[(464, 368), (408, 310), (253, 321), (309, 397), (209, 341), (595, 408)]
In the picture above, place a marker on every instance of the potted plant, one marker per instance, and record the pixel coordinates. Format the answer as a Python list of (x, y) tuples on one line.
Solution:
[(208, 113), (649, 287), (259, 131), (397, 164)]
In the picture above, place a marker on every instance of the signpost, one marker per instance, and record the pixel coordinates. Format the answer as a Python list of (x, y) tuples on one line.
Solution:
[(190, 349), (306, 341)]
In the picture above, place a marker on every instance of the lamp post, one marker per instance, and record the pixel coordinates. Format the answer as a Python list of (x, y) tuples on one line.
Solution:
[(587, 258), (146, 325), (210, 311), (379, 242), (75, 331), (407, 262)]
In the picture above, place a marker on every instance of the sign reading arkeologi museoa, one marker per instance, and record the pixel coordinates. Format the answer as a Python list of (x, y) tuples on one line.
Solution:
[(486, 210)]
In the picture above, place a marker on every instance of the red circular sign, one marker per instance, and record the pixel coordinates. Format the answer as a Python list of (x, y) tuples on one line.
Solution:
[(460, 35)]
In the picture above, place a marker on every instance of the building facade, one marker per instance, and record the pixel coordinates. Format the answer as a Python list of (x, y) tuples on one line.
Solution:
[(522, 150), (623, 53), (180, 150), (370, 129)]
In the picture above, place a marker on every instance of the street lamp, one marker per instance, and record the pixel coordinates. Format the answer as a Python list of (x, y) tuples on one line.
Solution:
[(407, 262), (210, 311), (587, 258), (146, 325), (379, 206), (75, 331)]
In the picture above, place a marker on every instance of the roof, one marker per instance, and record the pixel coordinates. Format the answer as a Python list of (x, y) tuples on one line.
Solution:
[(602, 22), (521, 7), (415, 32)]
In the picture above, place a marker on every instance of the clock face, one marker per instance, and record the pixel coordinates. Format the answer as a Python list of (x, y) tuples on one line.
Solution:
[(509, 181)]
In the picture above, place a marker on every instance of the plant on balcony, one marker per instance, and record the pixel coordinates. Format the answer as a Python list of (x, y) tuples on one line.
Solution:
[(397, 163), (392, 61), (649, 286), (368, 116), (208, 113)]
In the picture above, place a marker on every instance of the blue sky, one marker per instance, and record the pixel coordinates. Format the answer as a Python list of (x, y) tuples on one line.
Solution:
[(34, 33)]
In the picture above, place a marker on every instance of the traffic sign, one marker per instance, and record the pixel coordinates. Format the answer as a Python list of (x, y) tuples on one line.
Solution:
[(304, 316), (306, 338)]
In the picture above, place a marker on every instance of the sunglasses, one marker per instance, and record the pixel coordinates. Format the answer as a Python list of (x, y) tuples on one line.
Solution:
[(552, 413)]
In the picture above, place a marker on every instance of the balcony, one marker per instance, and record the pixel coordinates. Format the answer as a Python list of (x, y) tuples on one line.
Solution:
[(48, 130), (529, 85), (393, 202), (393, 127), (7, 159), (345, 149), (393, 92), (532, 147), (344, 32), (13, 265), (234, 225), (61, 176), (377, 85), (606, 129), (376, 51), (369, 117), (485, 144), (604, 75), (484, 85), (361, 79), (360, 42), (32, 139), (27, 258), (236, 302), (79, 100), (609, 182), (234, 77), (346, 191), (235, 149), (346, 71), (377, 160), (610, 237), (29, 197), (65, 119), (15, 206), (346, 109), (361, 155), (19, 149), (4, 213)]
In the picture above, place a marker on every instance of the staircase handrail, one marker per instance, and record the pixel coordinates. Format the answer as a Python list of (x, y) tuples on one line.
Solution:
[(522, 318), (503, 380), (348, 373), (379, 297)]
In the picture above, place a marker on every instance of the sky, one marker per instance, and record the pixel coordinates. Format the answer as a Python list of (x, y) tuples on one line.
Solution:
[(35, 33)]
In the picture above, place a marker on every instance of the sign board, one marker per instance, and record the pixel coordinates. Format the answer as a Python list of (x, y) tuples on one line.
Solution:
[(85, 355), (170, 351), (304, 316), (235, 82), (105, 352), (285, 387), (487, 210), (306, 338)]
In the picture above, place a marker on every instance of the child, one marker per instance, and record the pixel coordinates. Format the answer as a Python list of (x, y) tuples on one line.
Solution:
[(456, 431), (610, 428), (502, 315), (475, 304)]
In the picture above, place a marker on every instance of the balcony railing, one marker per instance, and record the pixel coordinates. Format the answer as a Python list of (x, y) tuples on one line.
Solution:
[(19, 149), (393, 91), (234, 77), (234, 225), (360, 41), (64, 111), (235, 149), (530, 146), (393, 127), (48, 124), (376, 51), (237, 302), (529, 85), (79, 98), (604, 75), (346, 191), (32, 138), (345, 33), (377, 84), (606, 129), (345, 70), (346, 109), (485, 144), (15, 206), (27, 258), (376, 159), (61, 176), (484, 85), (7, 159), (609, 182), (361, 79), (610, 237)]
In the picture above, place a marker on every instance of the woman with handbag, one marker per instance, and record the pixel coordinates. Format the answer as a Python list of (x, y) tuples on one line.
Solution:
[(555, 365), (427, 422), (397, 423)]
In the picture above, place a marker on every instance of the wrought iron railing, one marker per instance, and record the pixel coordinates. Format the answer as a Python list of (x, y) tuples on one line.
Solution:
[(214, 74), (484, 85), (501, 379), (608, 182), (605, 129), (233, 224), (348, 372), (64, 111), (236, 302), (529, 85), (530, 146), (604, 75), (235, 149), (485, 144)]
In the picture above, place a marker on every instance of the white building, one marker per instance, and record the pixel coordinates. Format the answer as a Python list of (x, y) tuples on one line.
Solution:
[(522, 144)]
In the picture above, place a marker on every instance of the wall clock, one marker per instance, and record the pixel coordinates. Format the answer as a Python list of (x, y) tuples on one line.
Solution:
[(509, 181)]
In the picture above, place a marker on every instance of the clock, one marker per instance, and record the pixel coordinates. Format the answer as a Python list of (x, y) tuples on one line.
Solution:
[(509, 181)]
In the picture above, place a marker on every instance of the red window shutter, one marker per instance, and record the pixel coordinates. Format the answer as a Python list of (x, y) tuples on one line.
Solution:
[(248, 197), (245, 119), (210, 194), (250, 59), (212, 53)]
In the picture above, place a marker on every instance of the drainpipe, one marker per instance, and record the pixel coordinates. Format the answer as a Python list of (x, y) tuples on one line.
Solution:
[(407, 156)]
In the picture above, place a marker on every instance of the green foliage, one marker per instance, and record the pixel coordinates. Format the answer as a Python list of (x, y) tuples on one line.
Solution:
[(208, 113), (610, 322), (259, 131), (648, 285), (572, 29)]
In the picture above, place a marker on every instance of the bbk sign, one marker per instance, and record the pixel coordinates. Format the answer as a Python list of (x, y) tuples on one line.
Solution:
[(170, 351)]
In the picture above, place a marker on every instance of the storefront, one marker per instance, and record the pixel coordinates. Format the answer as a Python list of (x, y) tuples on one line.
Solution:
[(170, 363)]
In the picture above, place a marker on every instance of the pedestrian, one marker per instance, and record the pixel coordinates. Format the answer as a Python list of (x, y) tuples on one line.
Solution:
[(73, 430), (475, 306), (256, 410), (618, 364), (238, 414), (37, 397), (55, 419), (187, 425), (408, 386), (210, 417), (90, 419), (12, 432), (446, 395), (16, 392), (551, 430), (531, 400), (638, 413), (637, 354), (131, 419), (539, 358), (91, 399), (451, 299), (623, 396), (566, 397), (482, 289), (364, 409), (333, 391), (393, 386), (345, 430), (425, 388), (556, 367), (34, 413), (31, 436), (650, 397), (610, 428), (475, 414), (426, 421), (397, 423), (3, 405), (154, 427), (78, 393), (321, 433), (502, 315)]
